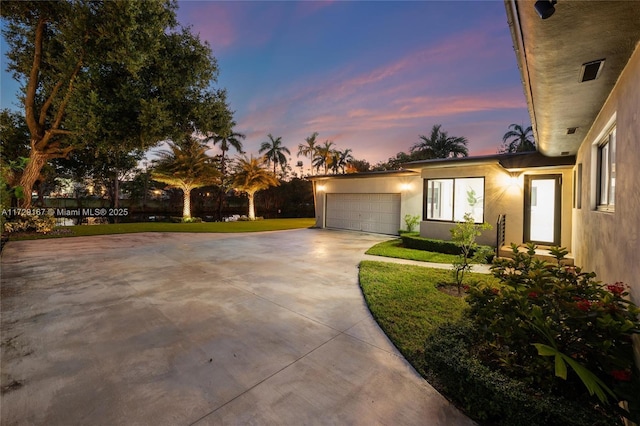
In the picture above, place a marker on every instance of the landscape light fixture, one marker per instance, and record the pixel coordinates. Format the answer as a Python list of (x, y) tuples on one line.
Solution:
[(545, 8)]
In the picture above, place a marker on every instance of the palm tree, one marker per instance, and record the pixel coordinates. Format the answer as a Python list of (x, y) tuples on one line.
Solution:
[(308, 149), (250, 177), (441, 145), (334, 161), (227, 138), (274, 152), (186, 166), (323, 156), (517, 139), (344, 158)]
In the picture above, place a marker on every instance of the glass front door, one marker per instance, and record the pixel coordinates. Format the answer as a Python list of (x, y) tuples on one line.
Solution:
[(542, 209)]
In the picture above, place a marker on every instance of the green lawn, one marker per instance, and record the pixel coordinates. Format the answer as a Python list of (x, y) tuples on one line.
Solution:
[(394, 248), (126, 228), (407, 305)]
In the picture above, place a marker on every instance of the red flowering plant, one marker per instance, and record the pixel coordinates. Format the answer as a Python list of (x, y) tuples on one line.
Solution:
[(558, 329)]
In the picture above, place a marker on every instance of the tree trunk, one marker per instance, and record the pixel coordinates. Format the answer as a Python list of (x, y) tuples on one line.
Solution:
[(116, 191), (252, 212), (116, 197), (37, 160), (186, 209), (221, 195)]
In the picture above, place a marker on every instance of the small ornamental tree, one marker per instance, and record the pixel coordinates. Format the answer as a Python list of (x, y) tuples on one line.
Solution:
[(464, 235), (186, 166), (411, 222), (559, 330), (250, 177)]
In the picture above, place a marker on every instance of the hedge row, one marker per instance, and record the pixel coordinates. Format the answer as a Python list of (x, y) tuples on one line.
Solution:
[(428, 244), (489, 396)]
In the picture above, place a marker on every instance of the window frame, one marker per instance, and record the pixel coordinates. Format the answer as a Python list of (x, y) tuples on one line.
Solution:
[(606, 171), (577, 186), (428, 207)]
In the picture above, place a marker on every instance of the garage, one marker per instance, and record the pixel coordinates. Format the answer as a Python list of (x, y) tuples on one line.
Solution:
[(377, 213)]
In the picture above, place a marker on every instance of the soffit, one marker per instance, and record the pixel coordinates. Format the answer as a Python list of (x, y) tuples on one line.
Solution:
[(551, 56)]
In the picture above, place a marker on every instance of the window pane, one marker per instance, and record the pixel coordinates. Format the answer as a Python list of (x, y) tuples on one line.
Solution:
[(440, 199), (612, 167), (607, 170), (604, 173), (469, 198)]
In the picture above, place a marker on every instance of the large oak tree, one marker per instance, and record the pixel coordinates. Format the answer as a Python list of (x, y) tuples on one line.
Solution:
[(106, 77)]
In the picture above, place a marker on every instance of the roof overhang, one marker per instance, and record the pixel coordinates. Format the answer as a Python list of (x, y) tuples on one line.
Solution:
[(551, 55), (509, 161), (365, 175)]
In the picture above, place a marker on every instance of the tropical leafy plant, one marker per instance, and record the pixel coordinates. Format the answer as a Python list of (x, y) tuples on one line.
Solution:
[(545, 317)]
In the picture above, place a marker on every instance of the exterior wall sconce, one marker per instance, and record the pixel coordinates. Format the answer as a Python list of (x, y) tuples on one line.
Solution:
[(545, 8), (405, 187), (320, 188), (514, 178)]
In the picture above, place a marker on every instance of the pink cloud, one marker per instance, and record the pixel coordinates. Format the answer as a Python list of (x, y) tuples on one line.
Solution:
[(382, 110), (230, 24), (307, 8), (213, 21)]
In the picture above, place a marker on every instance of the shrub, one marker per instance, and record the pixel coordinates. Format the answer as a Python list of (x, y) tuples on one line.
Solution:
[(42, 224), (192, 220), (411, 222), (416, 242), (244, 218), (491, 397), (428, 244), (548, 320)]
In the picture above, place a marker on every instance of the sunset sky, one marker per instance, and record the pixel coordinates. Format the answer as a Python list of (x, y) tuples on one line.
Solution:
[(370, 76)]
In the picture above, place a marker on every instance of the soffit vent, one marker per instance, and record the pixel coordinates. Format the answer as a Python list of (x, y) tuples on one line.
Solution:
[(591, 70), (564, 153), (571, 130)]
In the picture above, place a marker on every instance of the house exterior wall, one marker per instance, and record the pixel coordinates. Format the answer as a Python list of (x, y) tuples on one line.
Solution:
[(608, 242), (503, 195), (409, 188)]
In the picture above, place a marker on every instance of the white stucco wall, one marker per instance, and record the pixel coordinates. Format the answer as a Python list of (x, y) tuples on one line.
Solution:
[(608, 243), (503, 195), (409, 188)]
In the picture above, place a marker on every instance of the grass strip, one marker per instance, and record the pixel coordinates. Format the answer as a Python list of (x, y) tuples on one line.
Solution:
[(405, 302), (394, 248), (205, 227)]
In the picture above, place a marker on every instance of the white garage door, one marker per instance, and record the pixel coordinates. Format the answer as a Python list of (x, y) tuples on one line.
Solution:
[(378, 213)]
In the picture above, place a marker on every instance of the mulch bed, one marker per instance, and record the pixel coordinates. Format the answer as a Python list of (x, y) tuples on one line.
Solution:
[(451, 289)]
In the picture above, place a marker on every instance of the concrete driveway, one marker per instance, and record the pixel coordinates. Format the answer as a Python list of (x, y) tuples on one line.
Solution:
[(182, 329)]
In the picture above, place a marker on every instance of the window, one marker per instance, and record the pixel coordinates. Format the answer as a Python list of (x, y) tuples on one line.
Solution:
[(607, 171), (451, 199), (577, 187)]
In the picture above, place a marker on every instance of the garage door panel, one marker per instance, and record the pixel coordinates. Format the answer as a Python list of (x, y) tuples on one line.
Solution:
[(375, 212)]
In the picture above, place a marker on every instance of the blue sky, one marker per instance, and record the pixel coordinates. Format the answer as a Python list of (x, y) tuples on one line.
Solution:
[(370, 76)]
